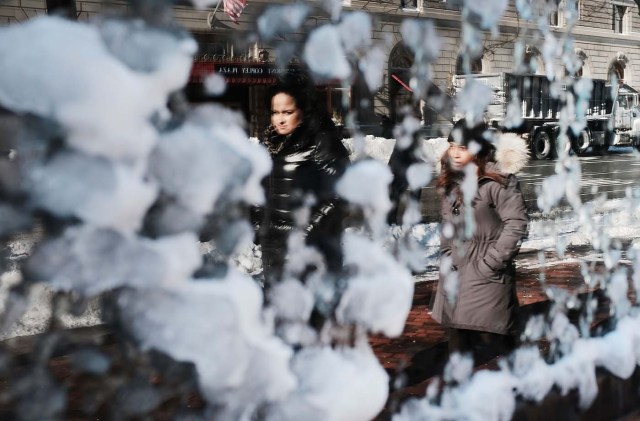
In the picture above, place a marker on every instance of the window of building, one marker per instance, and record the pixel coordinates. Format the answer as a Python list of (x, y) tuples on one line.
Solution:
[(532, 63), (620, 19), (411, 4), (475, 66), (555, 13), (571, 11), (400, 93), (577, 72), (562, 11)]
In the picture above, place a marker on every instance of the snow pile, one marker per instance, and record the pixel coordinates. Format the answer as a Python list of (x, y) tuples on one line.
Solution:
[(613, 218), (36, 309), (216, 324), (380, 148), (530, 377), (335, 385)]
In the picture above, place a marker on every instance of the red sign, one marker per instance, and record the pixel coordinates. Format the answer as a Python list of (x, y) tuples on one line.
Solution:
[(200, 70)]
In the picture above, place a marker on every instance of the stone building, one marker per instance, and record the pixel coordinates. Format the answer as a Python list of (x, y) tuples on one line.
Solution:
[(606, 40)]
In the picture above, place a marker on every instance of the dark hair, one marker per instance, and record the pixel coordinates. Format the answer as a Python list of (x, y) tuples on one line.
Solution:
[(297, 84), (463, 134)]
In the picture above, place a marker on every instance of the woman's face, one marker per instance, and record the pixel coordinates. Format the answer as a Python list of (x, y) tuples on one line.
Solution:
[(285, 114), (459, 156)]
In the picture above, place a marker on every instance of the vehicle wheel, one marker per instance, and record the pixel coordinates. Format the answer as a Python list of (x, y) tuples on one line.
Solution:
[(582, 143), (541, 145)]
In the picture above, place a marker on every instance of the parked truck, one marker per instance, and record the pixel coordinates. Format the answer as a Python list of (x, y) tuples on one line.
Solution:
[(627, 116), (609, 119)]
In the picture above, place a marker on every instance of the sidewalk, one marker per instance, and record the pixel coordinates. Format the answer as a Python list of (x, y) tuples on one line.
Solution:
[(415, 358)]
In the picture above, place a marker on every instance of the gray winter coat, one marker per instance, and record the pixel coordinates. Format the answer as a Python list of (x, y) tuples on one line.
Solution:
[(486, 296)]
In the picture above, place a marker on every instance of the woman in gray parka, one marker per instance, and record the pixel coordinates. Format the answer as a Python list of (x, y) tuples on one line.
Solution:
[(476, 296)]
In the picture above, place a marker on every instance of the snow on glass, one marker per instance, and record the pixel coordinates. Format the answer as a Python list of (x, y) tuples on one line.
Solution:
[(528, 374), (135, 184)]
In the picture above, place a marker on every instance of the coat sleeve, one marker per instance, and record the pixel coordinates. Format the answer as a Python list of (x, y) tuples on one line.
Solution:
[(331, 161), (509, 203)]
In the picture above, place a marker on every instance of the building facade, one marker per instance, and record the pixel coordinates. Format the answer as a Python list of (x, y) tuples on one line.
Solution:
[(606, 39)]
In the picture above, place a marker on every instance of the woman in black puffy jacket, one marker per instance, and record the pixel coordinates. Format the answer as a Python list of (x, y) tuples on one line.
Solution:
[(308, 158)]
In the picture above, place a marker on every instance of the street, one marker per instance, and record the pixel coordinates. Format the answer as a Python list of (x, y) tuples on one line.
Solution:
[(612, 174)]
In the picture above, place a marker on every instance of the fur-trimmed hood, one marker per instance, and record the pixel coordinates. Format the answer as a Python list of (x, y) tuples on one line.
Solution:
[(512, 152)]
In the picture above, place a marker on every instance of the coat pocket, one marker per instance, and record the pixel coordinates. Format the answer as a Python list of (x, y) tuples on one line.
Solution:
[(479, 270)]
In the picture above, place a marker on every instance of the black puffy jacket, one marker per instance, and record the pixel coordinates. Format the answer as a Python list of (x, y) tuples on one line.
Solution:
[(308, 162)]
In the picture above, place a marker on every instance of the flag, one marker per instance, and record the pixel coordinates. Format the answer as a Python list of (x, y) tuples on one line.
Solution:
[(233, 8)]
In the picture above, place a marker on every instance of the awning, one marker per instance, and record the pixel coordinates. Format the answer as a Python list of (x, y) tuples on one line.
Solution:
[(246, 72), (236, 72), (402, 76), (403, 84)]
